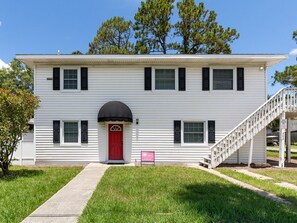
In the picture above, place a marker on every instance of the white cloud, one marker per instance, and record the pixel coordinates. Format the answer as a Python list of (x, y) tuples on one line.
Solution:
[(293, 52), (3, 64), (0, 23)]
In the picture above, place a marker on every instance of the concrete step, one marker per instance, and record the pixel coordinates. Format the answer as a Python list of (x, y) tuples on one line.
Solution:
[(205, 164)]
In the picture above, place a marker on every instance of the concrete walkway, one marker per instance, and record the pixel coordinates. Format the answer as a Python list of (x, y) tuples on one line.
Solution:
[(287, 185), (252, 174), (261, 177), (68, 203), (244, 185)]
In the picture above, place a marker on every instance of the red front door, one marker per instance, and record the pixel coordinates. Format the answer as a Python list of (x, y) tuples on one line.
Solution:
[(115, 141)]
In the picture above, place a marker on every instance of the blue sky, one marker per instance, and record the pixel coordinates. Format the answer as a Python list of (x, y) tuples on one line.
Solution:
[(35, 26)]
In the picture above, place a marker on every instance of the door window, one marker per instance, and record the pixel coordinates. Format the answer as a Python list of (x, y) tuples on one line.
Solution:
[(115, 128)]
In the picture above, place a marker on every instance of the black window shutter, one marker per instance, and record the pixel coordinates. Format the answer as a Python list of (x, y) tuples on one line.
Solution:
[(240, 79), (211, 131), (205, 79), (177, 131), (56, 78), (56, 131), (84, 78), (84, 131), (147, 78), (181, 79)]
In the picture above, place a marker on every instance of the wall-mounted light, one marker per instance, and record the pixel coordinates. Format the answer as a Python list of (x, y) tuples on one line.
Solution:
[(137, 121), (261, 68)]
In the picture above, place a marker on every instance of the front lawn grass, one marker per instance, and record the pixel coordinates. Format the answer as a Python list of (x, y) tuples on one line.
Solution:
[(275, 154), (29, 187), (177, 194), (267, 185), (287, 175)]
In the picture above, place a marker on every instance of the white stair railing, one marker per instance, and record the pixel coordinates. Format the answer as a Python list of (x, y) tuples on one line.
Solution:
[(283, 101)]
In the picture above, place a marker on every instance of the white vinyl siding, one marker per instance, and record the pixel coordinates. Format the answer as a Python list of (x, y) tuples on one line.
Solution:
[(165, 79), (155, 110), (241, 155)]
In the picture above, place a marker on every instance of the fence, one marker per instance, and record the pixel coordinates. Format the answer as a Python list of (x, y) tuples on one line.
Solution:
[(25, 153)]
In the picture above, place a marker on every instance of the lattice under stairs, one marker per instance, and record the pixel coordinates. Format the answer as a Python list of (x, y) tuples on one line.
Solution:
[(284, 100)]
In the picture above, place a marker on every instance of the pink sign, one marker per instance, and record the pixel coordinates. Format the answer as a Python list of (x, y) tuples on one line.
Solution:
[(147, 156)]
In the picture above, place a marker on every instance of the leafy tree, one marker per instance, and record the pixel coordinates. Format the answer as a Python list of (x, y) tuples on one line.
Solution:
[(17, 107), (286, 77), (18, 76), (77, 52), (295, 35), (152, 26), (274, 125), (289, 75), (113, 37), (200, 32)]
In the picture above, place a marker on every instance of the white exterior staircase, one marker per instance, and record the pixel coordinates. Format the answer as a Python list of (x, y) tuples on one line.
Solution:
[(285, 100)]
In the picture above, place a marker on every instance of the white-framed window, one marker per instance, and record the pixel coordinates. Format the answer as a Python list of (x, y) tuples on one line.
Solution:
[(165, 78), (193, 132), (70, 79), (223, 79), (71, 132)]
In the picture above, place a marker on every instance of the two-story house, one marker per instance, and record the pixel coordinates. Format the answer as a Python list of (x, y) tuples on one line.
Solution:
[(109, 108)]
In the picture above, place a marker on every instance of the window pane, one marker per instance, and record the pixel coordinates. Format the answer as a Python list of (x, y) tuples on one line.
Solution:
[(193, 132), (165, 79), (223, 79), (193, 127), (193, 138), (70, 79), (71, 132)]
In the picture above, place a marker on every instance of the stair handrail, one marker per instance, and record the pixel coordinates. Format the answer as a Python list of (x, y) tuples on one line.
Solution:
[(247, 118)]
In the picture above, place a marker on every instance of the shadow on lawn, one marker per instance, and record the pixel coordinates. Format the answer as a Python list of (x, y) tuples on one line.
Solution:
[(21, 173), (230, 203)]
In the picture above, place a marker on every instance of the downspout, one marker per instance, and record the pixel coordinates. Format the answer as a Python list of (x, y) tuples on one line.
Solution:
[(265, 129), (34, 126)]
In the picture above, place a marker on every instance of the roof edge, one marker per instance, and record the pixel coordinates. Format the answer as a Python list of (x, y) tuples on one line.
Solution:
[(268, 59)]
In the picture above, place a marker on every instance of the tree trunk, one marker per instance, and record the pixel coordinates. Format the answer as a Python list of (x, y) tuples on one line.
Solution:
[(5, 169), (164, 45), (186, 46)]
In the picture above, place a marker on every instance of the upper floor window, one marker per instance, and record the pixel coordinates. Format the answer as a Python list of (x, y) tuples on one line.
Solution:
[(165, 79), (223, 79), (70, 79)]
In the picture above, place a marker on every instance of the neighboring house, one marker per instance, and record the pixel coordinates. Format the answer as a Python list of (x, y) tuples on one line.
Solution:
[(109, 108)]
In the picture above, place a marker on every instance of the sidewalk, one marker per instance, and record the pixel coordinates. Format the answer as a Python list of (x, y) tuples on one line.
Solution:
[(262, 177), (243, 184), (68, 203)]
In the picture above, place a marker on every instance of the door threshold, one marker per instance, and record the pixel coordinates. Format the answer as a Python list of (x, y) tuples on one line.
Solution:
[(115, 162)]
